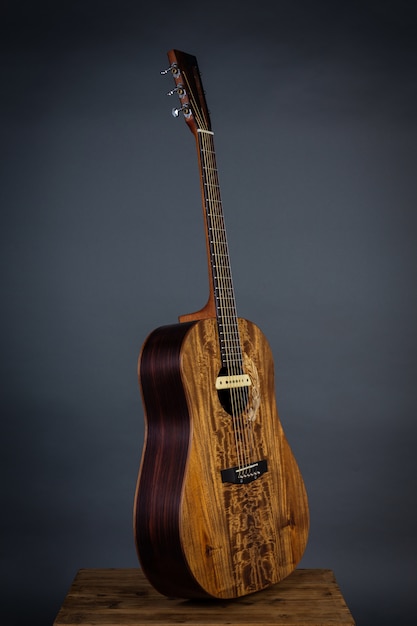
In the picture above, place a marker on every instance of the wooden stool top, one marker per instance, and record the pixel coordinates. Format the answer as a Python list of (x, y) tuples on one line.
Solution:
[(117, 597)]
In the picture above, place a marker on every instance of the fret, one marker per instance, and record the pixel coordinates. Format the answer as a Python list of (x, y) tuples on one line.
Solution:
[(212, 214), (225, 282), (217, 229), (229, 290), (221, 311), (233, 346), (230, 340), (220, 266), (225, 307), (235, 354)]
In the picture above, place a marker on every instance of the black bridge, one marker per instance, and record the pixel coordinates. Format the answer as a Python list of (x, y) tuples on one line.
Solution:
[(246, 474)]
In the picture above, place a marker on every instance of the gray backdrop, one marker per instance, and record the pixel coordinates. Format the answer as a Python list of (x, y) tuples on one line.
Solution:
[(314, 107)]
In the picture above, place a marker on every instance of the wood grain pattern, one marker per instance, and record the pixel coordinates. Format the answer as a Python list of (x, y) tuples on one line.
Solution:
[(195, 535), (123, 597)]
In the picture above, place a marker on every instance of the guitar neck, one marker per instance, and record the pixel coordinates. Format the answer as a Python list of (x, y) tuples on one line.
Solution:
[(218, 253), (189, 88)]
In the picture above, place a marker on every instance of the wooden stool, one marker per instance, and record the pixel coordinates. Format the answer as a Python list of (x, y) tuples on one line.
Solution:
[(117, 597)]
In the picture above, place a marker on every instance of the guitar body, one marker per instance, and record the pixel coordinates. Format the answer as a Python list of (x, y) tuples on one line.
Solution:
[(199, 531)]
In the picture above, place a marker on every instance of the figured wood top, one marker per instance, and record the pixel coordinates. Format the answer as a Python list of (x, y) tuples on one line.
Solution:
[(117, 597)]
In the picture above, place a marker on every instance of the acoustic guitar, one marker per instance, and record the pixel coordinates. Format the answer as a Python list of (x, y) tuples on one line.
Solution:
[(220, 506)]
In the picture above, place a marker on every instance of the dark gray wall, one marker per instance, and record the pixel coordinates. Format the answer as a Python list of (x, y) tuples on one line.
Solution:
[(314, 107)]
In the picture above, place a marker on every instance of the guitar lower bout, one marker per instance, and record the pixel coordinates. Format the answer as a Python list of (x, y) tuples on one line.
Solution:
[(220, 506)]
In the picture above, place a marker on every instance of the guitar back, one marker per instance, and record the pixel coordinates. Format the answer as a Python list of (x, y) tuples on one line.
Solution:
[(202, 528)]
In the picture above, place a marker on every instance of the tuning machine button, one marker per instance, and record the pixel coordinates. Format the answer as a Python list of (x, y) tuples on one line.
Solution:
[(174, 69), (179, 89), (185, 110)]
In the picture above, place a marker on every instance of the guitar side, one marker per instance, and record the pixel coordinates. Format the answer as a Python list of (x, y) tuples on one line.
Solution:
[(196, 535)]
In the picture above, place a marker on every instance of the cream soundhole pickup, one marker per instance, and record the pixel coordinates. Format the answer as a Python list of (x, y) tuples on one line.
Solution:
[(232, 381)]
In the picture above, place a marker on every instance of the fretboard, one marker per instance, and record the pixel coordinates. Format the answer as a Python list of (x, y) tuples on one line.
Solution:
[(231, 353)]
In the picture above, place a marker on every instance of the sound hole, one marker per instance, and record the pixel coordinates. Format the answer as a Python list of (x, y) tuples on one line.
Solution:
[(233, 400)]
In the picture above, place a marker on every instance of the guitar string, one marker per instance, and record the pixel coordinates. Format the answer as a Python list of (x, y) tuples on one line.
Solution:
[(239, 398), (230, 326), (224, 300), (231, 340), (238, 394), (218, 243)]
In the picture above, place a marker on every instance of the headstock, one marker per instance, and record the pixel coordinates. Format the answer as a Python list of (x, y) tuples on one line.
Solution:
[(189, 88)]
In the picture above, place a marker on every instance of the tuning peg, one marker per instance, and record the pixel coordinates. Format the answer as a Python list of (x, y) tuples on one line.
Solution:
[(172, 68), (185, 110), (179, 89)]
